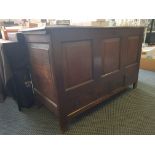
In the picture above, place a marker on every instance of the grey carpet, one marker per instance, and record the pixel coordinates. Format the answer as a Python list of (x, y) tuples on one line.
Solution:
[(131, 112)]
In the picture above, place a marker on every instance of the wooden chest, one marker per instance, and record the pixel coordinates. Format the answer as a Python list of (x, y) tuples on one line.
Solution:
[(76, 68)]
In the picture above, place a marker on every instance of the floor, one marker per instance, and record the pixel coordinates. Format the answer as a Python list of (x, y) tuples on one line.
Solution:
[(131, 112)]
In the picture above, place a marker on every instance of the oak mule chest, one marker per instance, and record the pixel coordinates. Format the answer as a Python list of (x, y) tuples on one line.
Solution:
[(76, 68)]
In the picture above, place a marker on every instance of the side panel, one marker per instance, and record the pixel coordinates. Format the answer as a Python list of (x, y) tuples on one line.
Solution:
[(42, 73), (42, 70)]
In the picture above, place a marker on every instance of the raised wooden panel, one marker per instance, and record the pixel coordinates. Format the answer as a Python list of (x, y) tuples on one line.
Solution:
[(77, 63), (42, 74), (131, 73), (132, 50), (110, 54)]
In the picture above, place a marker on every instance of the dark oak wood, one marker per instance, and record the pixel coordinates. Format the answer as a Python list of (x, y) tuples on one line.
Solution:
[(76, 68)]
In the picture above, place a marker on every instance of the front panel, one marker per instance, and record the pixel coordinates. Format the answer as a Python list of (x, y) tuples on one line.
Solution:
[(90, 66), (42, 72), (90, 63)]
